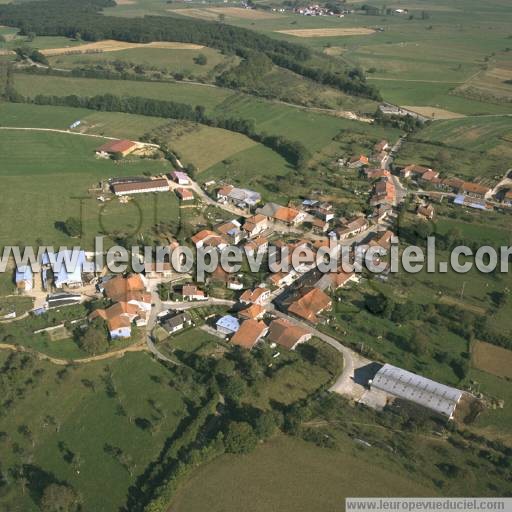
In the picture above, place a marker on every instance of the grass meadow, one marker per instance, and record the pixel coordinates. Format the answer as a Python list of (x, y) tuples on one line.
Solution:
[(288, 475), (54, 174), (85, 418)]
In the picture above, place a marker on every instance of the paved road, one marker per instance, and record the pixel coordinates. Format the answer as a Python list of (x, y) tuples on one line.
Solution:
[(344, 384)]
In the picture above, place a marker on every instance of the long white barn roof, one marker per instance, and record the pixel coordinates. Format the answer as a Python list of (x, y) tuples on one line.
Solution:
[(415, 388)]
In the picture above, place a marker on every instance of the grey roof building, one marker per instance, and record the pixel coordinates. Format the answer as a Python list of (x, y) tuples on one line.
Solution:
[(415, 388)]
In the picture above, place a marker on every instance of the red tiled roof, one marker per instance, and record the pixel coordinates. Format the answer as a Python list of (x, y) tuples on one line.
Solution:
[(117, 146), (285, 333), (249, 333), (310, 305)]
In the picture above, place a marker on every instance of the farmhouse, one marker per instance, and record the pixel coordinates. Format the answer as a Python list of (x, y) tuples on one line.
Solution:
[(351, 228), (118, 147), (227, 325), (384, 192), (507, 198), (382, 239), (426, 211), (24, 278), (180, 177), (281, 279), (255, 225), (415, 388), (341, 278), (192, 292), (373, 174), (232, 231), (250, 332), (383, 145), (130, 289), (475, 190), (142, 186), (310, 305), (452, 184), (256, 296), (254, 311), (283, 214), (155, 270), (200, 239), (258, 245), (185, 194), (67, 268), (418, 171), (241, 197), (358, 161), (120, 317), (176, 322), (288, 335), (471, 202)]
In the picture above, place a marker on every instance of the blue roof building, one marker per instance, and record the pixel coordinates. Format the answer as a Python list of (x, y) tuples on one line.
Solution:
[(228, 324)]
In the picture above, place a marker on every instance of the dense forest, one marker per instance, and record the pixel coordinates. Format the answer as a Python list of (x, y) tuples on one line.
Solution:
[(83, 19)]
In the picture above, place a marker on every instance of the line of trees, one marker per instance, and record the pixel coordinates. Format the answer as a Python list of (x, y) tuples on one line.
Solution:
[(83, 19)]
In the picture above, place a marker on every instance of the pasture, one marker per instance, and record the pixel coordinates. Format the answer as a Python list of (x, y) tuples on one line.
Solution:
[(492, 359), (327, 32), (209, 97), (214, 13), (150, 60), (288, 474), (487, 134), (88, 409), (204, 146), (109, 124), (55, 172), (110, 45)]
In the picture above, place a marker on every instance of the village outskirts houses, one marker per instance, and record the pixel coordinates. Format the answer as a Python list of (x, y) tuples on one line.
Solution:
[(257, 246), (425, 211), (257, 296), (129, 186), (24, 278), (180, 177)]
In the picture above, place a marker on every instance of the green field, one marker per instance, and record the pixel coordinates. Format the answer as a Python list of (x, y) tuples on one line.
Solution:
[(110, 124), (209, 97), (54, 173), (290, 475), (151, 59), (484, 134), (221, 145), (69, 437)]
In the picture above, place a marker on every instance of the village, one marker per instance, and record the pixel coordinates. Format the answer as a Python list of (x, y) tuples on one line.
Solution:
[(285, 309)]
